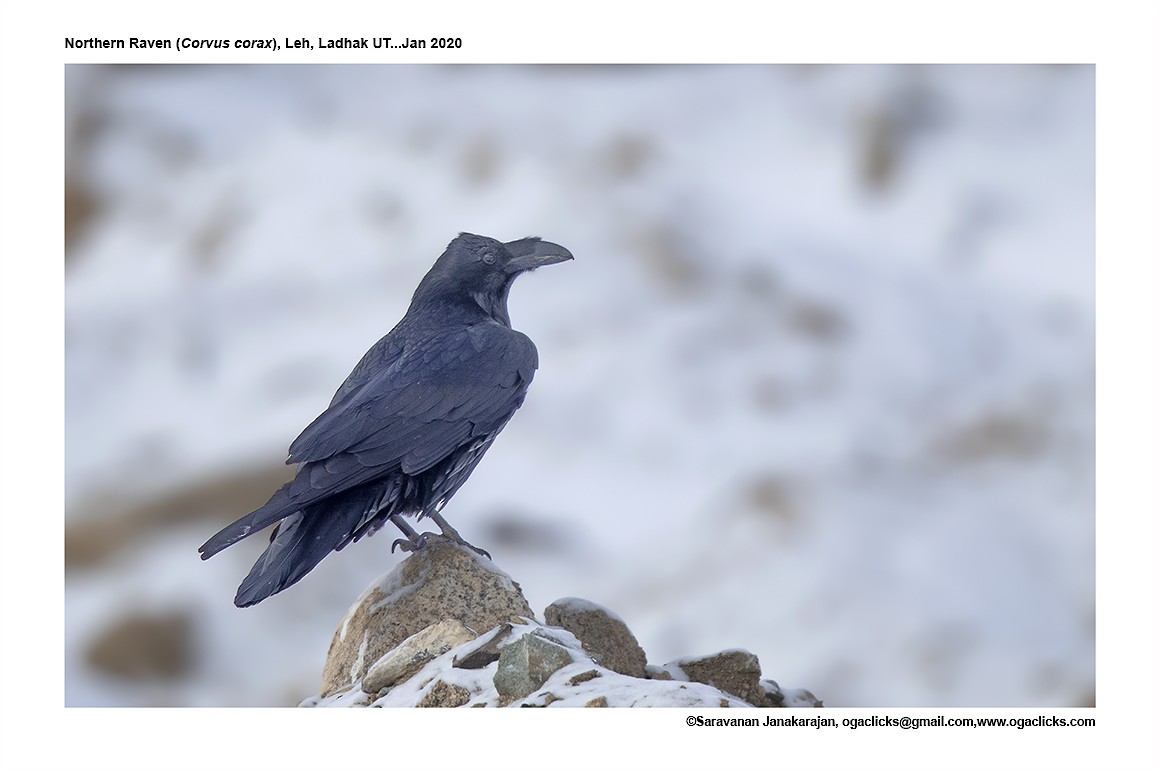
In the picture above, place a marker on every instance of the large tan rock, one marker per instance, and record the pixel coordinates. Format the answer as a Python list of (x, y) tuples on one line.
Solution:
[(734, 671), (603, 634), (442, 581)]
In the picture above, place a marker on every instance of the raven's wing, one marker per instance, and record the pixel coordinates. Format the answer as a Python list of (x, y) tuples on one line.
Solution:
[(416, 410), (426, 401)]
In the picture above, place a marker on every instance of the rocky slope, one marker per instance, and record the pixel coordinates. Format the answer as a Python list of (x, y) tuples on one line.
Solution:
[(447, 628)]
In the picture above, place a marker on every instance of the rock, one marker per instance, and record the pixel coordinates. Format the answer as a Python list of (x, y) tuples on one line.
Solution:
[(442, 581), (602, 633), (584, 677), (411, 654), (141, 646), (542, 666), (486, 652), (526, 664), (771, 694), (444, 694), (774, 696), (653, 672), (734, 671), (448, 629)]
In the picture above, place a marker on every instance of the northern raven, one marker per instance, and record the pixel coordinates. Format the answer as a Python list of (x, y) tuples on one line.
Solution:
[(410, 423)]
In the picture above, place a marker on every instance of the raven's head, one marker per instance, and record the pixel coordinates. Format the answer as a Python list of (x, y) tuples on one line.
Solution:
[(481, 270)]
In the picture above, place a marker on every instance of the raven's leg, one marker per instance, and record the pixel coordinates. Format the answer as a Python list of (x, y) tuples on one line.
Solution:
[(452, 533), (413, 541)]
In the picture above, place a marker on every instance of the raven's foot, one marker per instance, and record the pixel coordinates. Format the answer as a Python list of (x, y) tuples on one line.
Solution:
[(451, 534), (407, 545), (418, 543), (423, 540), (413, 541), (475, 549)]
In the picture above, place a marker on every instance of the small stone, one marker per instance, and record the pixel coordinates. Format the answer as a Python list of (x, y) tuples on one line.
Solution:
[(736, 671), (771, 695), (486, 652), (526, 664), (604, 636), (653, 672), (445, 695), (599, 701), (584, 677), (413, 653)]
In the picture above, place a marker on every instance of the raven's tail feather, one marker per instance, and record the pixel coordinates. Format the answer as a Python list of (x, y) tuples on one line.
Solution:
[(298, 544), (275, 509), (296, 495)]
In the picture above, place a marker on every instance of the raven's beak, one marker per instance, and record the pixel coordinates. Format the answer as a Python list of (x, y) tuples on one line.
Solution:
[(532, 253)]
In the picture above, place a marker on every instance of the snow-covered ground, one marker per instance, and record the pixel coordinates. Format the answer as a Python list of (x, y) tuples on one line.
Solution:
[(819, 383)]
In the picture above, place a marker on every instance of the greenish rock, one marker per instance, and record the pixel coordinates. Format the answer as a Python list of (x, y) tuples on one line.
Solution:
[(526, 664)]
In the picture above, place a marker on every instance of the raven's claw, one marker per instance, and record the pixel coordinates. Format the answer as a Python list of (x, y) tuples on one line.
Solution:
[(406, 544), (475, 549)]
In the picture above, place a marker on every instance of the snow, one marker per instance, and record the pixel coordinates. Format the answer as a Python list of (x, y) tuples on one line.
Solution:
[(849, 428)]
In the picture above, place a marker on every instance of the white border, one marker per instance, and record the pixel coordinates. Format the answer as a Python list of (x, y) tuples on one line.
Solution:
[(1119, 37)]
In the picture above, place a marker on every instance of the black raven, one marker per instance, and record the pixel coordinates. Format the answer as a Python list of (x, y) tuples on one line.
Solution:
[(410, 423)]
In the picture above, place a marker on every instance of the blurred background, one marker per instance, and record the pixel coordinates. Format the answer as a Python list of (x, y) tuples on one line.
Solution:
[(819, 383)]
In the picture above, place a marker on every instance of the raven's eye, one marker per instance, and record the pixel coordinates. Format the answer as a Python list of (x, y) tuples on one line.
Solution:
[(488, 258)]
